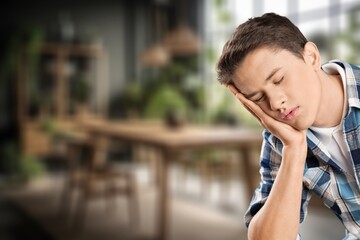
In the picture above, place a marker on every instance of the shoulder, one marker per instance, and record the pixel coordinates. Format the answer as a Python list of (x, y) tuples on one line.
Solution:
[(352, 75), (351, 70), (355, 69)]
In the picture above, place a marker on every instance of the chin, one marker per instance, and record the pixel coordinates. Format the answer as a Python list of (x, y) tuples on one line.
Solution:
[(303, 125), (300, 128)]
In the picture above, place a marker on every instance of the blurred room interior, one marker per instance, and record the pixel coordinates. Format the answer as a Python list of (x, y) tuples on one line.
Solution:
[(113, 124)]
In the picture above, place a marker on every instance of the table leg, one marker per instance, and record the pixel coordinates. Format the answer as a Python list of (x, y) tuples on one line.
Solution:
[(163, 200), (245, 152)]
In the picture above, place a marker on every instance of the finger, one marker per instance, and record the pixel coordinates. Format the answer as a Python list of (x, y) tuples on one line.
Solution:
[(279, 129), (252, 112), (259, 120), (263, 118), (253, 107), (238, 95), (232, 89)]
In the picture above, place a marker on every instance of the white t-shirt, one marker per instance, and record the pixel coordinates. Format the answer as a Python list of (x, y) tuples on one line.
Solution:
[(333, 137)]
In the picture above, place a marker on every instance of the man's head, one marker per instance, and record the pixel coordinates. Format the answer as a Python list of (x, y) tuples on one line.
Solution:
[(272, 64), (270, 30)]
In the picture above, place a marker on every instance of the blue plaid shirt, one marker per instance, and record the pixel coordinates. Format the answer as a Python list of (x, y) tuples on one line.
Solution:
[(338, 190)]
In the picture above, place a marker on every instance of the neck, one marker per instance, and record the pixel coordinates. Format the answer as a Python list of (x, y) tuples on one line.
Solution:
[(332, 99)]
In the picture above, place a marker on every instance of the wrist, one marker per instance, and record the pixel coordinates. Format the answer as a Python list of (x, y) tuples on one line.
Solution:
[(297, 141), (295, 152)]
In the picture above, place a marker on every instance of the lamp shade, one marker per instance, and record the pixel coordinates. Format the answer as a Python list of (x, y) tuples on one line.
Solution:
[(182, 41), (155, 56)]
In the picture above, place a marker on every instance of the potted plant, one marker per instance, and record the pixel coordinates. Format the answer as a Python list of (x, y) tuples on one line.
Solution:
[(80, 93), (168, 104)]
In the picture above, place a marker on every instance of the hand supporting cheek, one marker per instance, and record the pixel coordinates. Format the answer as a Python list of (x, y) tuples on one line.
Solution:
[(249, 105), (286, 133)]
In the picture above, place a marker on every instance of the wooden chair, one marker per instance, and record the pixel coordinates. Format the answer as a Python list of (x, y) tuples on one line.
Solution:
[(209, 165), (148, 157), (94, 177), (221, 168)]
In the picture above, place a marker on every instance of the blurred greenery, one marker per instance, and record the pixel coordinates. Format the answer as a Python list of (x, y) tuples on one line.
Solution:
[(80, 88), (171, 91), (350, 37), (222, 13), (224, 112), (36, 38), (49, 126), (133, 94), (18, 166), (164, 100), (175, 91), (14, 47)]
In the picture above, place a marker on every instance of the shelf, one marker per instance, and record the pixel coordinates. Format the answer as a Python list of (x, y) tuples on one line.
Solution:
[(72, 49), (60, 100)]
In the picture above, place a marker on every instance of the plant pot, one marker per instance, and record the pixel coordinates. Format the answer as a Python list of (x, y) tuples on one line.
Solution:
[(174, 119)]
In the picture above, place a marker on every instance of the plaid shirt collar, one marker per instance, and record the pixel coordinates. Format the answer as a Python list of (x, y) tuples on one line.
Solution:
[(352, 75)]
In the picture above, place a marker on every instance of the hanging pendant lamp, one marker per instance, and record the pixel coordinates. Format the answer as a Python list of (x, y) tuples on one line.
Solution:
[(157, 54), (182, 41)]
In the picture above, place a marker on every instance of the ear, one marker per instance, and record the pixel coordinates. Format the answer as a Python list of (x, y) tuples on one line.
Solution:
[(312, 55)]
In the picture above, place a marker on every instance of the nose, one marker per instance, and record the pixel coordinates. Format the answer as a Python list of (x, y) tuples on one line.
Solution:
[(277, 101)]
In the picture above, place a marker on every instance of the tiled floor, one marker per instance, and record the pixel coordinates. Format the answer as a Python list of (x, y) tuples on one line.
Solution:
[(193, 216)]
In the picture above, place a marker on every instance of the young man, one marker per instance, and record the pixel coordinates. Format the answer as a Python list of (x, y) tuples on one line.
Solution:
[(311, 116)]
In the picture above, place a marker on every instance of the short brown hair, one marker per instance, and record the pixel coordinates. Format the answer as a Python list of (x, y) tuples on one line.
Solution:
[(269, 30)]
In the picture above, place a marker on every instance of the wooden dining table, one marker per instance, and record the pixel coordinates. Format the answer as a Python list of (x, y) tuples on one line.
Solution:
[(172, 141)]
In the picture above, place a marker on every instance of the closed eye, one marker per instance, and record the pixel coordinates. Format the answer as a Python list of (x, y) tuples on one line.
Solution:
[(260, 99), (279, 81)]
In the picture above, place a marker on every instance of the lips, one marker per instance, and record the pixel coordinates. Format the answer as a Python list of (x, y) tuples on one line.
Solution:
[(289, 114)]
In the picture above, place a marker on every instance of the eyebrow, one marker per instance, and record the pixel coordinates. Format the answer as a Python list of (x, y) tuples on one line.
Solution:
[(273, 72)]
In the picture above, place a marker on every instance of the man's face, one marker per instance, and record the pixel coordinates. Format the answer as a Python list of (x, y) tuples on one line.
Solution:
[(284, 86)]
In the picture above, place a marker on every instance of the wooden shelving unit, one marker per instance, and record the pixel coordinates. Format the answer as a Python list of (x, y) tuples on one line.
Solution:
[(33, 141)]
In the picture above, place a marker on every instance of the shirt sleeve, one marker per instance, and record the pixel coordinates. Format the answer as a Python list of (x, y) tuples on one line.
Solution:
[(270, 160)]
